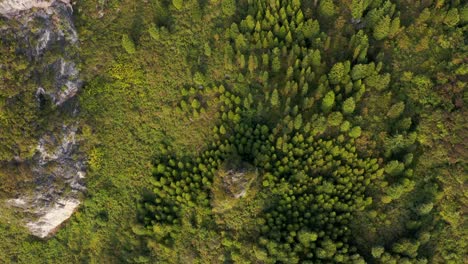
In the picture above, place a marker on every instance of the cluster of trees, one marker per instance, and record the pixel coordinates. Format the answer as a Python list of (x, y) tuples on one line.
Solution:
[(315, 185), (296, 129), (330, 122)]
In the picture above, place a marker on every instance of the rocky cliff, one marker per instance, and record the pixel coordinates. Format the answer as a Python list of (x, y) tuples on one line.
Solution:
[(46, 35)]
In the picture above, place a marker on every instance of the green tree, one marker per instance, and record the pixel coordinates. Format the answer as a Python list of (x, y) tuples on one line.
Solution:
[(337, 73), (394, 168), (249, 22), (394, 27), (154, 32), (345, 126), (396, 110), (361, 71), (316, 58), (222, 130), (382, 29), (328, 101), (252, 63), (425, 208), (335, 119), (161, 168), (306, 238), (241, 60), (406, 247), (274, 99), (298, 122), (276, 64), (379, 82), (357, 8), (178, 4), (241, 43), (195, 104), (289, 38), (355, 132), (464, 14), (128, 44), (229, 7), (377, 252), (327, 8), (296, 4), (348, 106), (207, 49), (452, 18), (311, 28)]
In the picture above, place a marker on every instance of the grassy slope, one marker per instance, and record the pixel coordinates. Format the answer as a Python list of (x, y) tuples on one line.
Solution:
[(130, 101)]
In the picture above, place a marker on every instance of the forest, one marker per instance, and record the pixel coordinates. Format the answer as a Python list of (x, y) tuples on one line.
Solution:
[(250, 131)]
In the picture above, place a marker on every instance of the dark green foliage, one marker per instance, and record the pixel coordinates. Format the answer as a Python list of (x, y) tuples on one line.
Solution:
[(316, 174)]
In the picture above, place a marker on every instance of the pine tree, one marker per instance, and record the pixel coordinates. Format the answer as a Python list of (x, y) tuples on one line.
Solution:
[(228, 7), (296, 4), (382, 29), (396, 110), (276, 64), (316, 58), (377, 252), (289, 38), (394, 27), (250, 22), (327, 8), (310, 29), (337, 73), (241, 44), (355, 132), (357, 8), (252, 63), (328, 101), (335, 119), (452, 18), (195, 104), (154, 32), (178, 4), (348, 106), (128, 44), (361, 71), (274, 99), (463, 12), (394, 168), (298, 122)]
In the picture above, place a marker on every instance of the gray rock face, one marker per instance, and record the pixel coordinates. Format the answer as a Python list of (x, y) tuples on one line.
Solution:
[(48, 38), (46, 32), (59, 172), (66, 80), (10, 8)]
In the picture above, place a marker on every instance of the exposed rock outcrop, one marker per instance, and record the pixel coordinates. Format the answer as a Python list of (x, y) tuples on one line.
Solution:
[(46, 35), (10, 8)]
